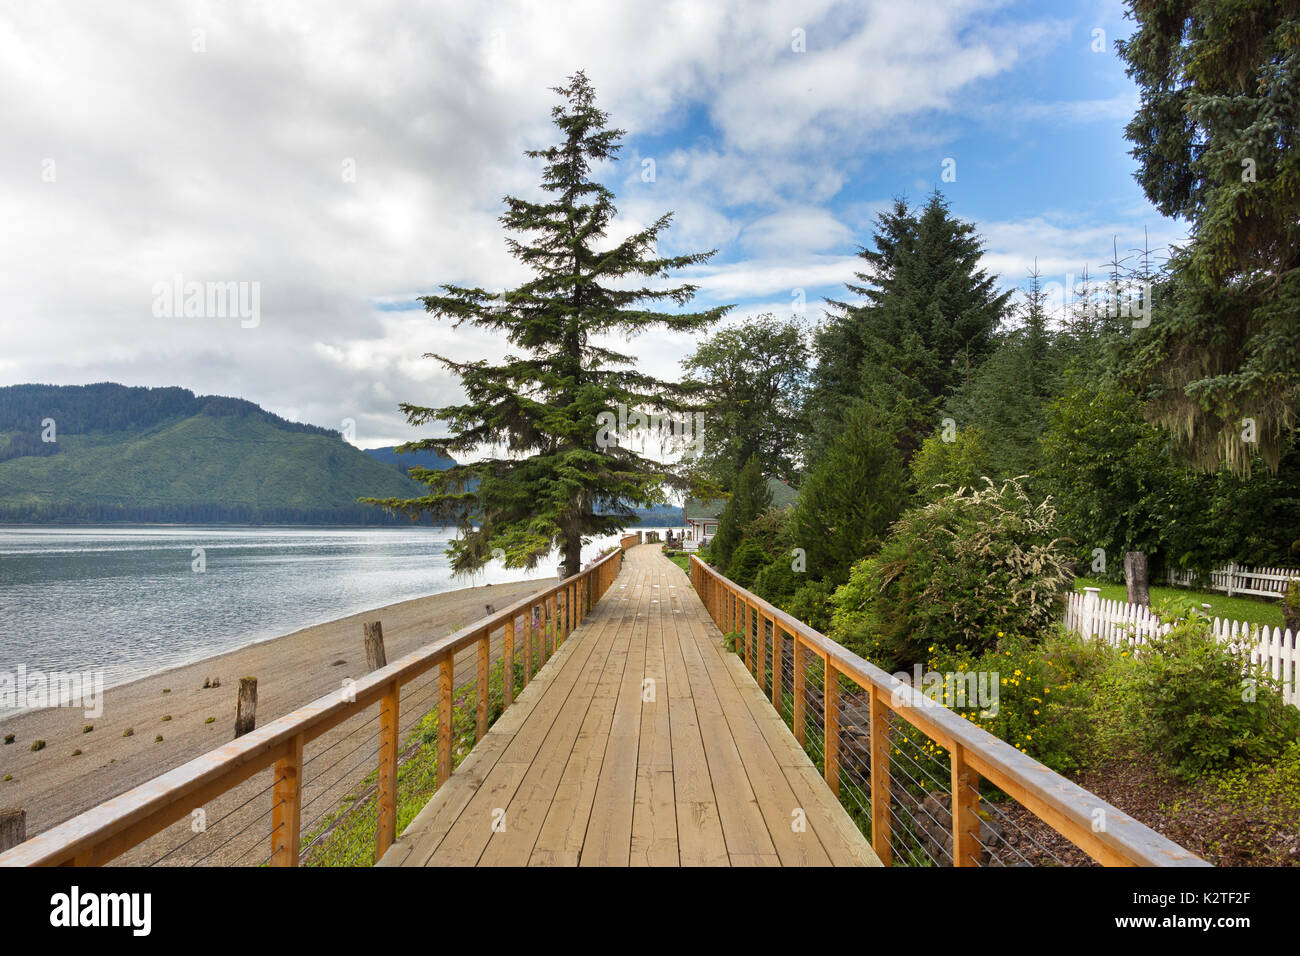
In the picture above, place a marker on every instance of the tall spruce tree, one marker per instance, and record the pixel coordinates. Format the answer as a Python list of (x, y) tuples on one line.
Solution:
[(926, 322), (559, 479), (1217, 140)]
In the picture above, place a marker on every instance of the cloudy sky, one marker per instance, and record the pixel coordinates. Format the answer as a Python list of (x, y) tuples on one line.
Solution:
[(348, 157)]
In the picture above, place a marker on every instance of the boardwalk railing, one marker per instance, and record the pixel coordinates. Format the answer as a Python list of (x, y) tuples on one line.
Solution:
[(1240, 579), (1118, 622), (110, 829), (893, 777)]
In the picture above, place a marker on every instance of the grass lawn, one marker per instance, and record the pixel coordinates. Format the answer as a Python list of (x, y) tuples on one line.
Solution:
[(680, 558), (1248, 609)]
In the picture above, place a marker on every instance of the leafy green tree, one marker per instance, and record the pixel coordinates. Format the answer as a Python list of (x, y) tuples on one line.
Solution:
[(749, 500), (1120, 486), (557, 482), (1112, 474), (1216, 138), (850, 497), (751, 377)]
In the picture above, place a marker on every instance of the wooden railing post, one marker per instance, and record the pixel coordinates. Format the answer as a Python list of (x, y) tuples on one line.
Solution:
[(562, 602), (446, 670), (778, 674), (286, 806), (481, 711), (386, 789), (554, 627), (749, 647), (760, 651), (508, 663), (831, 718), (965, 810), (798, 689), (528, 644), (880, 785)]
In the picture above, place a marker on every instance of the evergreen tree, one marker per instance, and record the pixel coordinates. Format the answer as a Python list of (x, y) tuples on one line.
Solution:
[(750, 499), (1216, 139), (560, 479), (927, 322), (1007, 396), (851, 496)]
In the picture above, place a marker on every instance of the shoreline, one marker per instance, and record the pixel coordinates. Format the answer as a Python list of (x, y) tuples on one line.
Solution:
[(293, 669)]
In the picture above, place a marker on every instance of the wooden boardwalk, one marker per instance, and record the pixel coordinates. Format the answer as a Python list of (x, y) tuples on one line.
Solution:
[(641, 742)]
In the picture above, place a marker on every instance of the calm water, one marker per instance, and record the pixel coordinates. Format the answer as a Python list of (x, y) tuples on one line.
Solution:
[(129, 601)]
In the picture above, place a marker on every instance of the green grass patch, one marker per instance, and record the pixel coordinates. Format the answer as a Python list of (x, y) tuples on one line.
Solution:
[(1251, 610)]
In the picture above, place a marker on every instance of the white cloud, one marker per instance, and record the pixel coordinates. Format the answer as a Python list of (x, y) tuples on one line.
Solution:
[(229, 164)]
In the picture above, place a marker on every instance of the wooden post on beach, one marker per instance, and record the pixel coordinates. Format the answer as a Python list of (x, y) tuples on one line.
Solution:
[(13, 827), (375, 654), (246, 706)]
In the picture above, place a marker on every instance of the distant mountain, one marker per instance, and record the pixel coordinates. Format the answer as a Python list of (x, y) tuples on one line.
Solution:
[(660, 516), (422, 459), (168, 455)]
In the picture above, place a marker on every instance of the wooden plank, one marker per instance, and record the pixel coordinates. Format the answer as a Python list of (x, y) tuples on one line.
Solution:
[(609, 833), (513, 845), (481, 702), (742, 819), (965, 810)]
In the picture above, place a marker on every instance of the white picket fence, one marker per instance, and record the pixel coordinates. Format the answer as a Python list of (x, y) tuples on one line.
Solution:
[(1118, 622), (1240, 579)]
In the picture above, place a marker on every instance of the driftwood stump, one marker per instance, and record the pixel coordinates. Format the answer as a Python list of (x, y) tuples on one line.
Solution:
[(246, 706), (376, 656), (13, 827)]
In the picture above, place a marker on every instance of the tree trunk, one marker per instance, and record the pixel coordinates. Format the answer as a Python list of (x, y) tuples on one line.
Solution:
[(572, 556), (1135, 577)]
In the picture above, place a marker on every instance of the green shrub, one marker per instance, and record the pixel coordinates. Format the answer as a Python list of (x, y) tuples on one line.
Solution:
[(940, 466), (1208, 708), (1043, 695), (777, 582), (747, 560), (955, 573), (811, 603)]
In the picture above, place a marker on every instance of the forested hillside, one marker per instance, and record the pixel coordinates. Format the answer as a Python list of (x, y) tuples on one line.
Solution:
[(107, 452)]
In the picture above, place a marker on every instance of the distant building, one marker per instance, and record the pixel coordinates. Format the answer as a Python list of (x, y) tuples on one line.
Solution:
[(700, 515)]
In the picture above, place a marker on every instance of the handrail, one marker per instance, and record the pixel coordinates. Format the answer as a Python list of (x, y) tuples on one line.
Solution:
[(1104, 832), (115, 826)]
